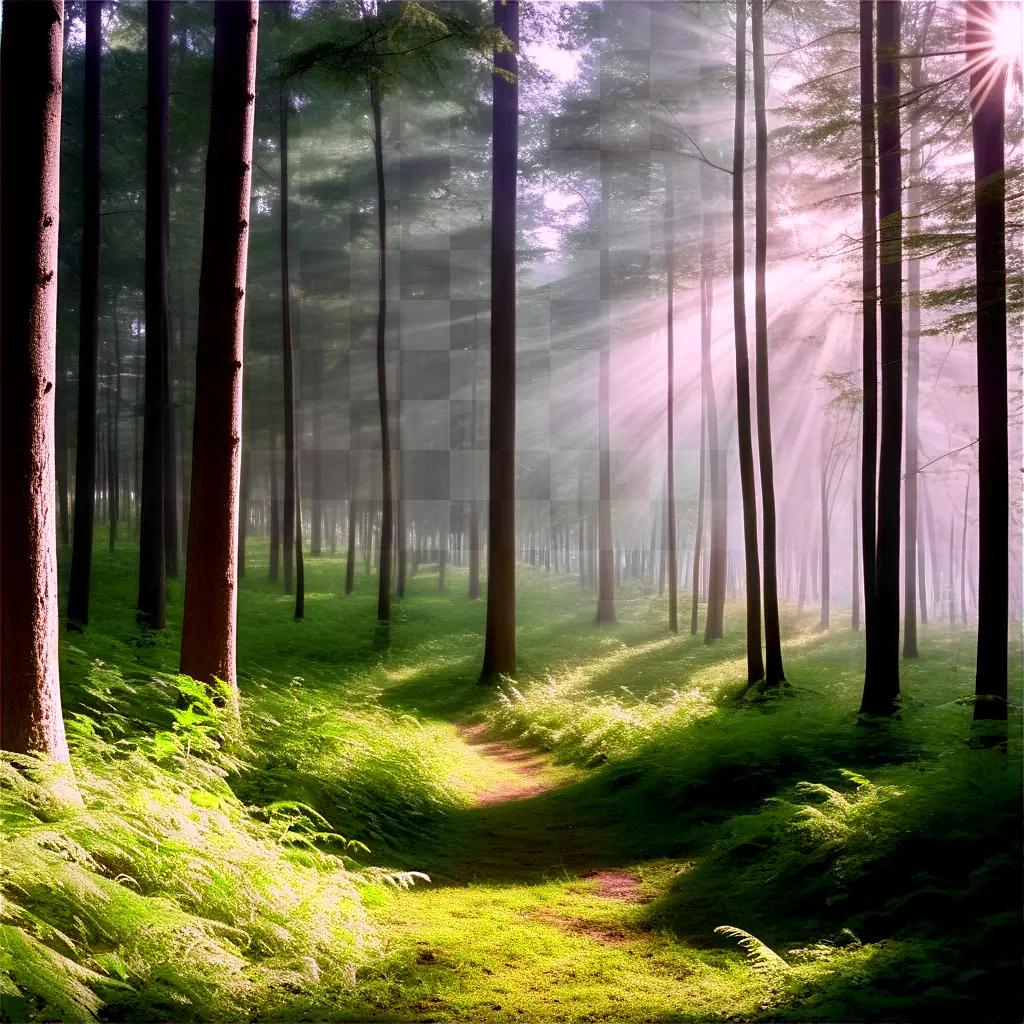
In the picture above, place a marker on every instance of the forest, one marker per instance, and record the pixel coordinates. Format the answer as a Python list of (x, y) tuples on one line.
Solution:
[(510, 510)]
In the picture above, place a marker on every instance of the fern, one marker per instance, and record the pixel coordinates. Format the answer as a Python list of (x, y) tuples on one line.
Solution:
[(763, 959)]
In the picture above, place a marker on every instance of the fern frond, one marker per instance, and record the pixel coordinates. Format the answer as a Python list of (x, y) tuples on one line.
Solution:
[(762, 957)]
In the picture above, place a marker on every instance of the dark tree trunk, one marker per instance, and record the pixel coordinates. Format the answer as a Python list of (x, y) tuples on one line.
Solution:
[(755, 663), (152, 557), (606, 564), (826, 556), (316, 511), (474, 507), (275, 515), (61, 414), (88, 327), (245, 484), (869, 273), (670, 399), (987, 130), (387, 507), (114, 447), (170, 460), (211, 592), (31, 50), (882, 678), (300, 565), (963, 554), (854, 566), (288, 531), (500, 635), (773, 668)]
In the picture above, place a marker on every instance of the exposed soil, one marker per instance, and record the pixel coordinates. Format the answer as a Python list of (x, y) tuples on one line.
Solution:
[(527, 767)]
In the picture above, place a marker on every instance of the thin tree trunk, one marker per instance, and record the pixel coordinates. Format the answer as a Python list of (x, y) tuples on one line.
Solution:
[(963, 554), (275, 514), (987, 130), (854, 566), (755, 663), (152, 559), (387, 510), (88, 328), (607, 567), (31, 51), (211, 589), (699, 536), (500, 637), (774, 672), (670, 400), (114, 410), (826, 557), (288, 531), (350, 556), (474, 509)]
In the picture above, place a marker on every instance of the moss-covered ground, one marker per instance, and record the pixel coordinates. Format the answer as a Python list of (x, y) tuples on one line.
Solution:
[(585, 828)]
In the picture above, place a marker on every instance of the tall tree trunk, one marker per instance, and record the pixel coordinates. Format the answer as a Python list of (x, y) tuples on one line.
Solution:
[(316, 511), (31, 51), (500, 633), (773, 668), (606, 563), (245, 485), (275, 514), (882, 675), (854, 566), (910, 511), (114, 412), (869, 313), (211, 590), (826, 556), (698, 541), (963, 554), (474, 505), (61, 414), (755, 663), (387, 509), (288, 531), (170, 460), (987, 129), (350, 549), (152, 556), (670, 401), (88, 327), (300, 565)]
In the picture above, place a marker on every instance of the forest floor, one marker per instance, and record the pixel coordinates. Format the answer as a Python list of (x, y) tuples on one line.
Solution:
[(386, 840)]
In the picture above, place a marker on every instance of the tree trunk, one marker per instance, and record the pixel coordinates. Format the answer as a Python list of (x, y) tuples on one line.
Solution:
[(387, 510), (963, 554), (670, 400), (31, 50), (275, 514), (910, 511), (606, 565), (350, 555), (114, 411), (987, 129), (854, 566), (882, 675), (474, 508), (500, 636), (152, 557), (211, 592), (288, 531), (773, 668), (755, 664), (826, 557), (88, 327)]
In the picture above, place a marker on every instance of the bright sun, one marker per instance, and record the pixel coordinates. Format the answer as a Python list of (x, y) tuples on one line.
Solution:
[(1008, 33)]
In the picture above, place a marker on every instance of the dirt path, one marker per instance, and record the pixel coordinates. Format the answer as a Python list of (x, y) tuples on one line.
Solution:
[(526, 767)]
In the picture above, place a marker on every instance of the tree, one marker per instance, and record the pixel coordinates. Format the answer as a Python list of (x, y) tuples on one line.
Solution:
[(910, 516), (755, 663), (208, 629), (670, 399), (774, 672), (882, 675), (500, 633), (152, 555), (31, 50), (88, 328), (988, 78)]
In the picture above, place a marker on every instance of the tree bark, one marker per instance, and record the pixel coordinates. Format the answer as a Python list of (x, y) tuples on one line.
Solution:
[(288, 531), (152, 556), (31, 50), (88, 328), (755, 663), (987, 130), (670, 401), (606, 562), (500, 635), (275, 515), (211, 591), (114, 448), (774, 673), (387, 505)]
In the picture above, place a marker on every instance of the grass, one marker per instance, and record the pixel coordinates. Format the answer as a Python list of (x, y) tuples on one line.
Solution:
[(873, 870)]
